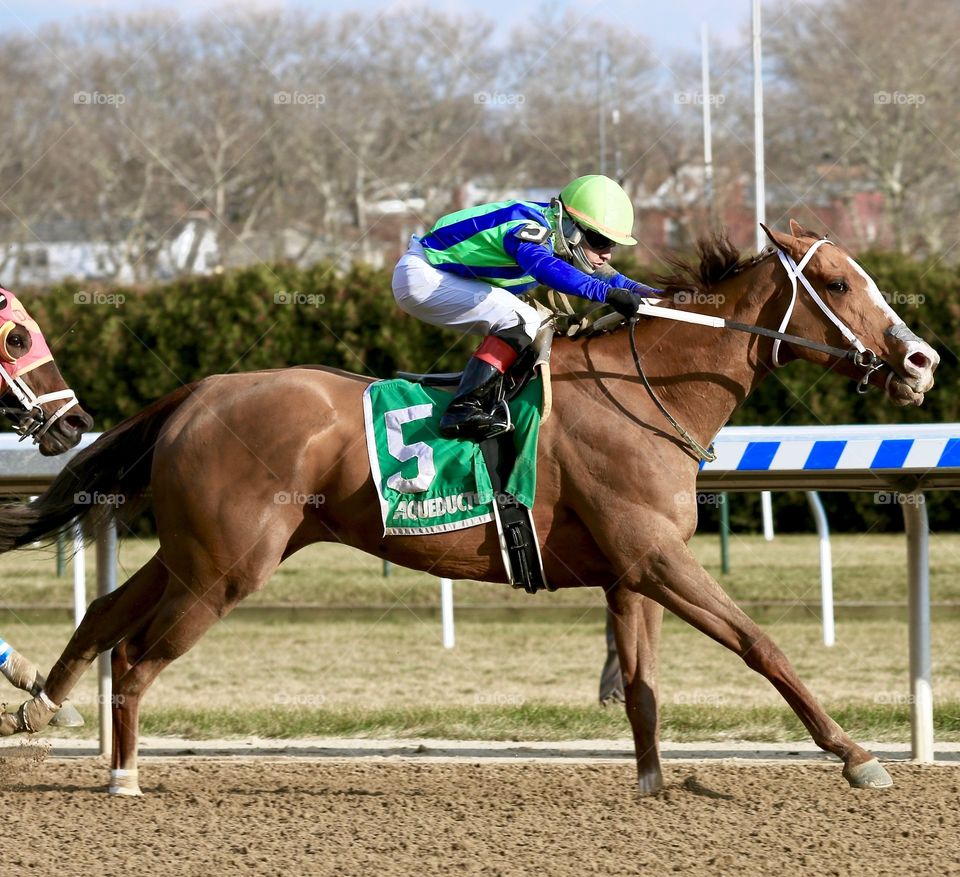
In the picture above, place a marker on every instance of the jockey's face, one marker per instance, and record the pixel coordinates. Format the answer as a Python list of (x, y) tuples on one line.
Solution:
[(597, 257)]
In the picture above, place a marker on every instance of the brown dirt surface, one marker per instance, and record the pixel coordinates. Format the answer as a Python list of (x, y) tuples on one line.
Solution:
[(224, 817)]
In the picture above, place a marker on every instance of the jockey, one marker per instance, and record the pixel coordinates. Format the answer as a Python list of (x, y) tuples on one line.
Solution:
[(467, 272)]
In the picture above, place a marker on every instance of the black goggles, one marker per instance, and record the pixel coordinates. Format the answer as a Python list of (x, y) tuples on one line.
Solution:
[(595, 240)]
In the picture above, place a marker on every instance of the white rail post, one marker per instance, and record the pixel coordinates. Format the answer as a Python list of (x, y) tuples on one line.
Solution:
[(79, 575), (918, 580), (766, 512), (826, 567), (106, 582), (446, 612)]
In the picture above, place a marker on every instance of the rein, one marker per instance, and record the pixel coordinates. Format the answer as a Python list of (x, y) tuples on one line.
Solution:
[(861, 356)]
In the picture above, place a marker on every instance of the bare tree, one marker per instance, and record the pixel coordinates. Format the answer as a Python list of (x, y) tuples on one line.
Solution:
[(857, 93)]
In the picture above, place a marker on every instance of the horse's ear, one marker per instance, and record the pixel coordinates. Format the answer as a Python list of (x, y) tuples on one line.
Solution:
[(797, 230), (780, 241)]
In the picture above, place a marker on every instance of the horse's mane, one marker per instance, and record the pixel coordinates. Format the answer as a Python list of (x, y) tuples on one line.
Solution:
[(718, 260)]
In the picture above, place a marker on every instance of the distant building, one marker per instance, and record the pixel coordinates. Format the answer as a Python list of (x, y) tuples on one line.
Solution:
[(842, 206), (62, 250)]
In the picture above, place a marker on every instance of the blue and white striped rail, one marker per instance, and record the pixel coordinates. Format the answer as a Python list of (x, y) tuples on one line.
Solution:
[(903, 458)]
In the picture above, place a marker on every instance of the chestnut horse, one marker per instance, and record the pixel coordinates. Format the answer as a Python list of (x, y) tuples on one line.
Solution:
[(223, 456)]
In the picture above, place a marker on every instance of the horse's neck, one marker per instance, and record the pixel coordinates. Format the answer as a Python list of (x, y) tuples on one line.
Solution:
[(699, 373)]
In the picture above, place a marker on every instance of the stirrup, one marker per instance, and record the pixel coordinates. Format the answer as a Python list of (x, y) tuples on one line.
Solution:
[(507, 427)]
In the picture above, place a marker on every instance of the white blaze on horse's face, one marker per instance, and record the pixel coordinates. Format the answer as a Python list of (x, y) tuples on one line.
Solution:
[(912, 359)]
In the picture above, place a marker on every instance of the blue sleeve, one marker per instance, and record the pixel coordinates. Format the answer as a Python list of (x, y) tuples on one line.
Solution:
[(623, 282), (537, 261)]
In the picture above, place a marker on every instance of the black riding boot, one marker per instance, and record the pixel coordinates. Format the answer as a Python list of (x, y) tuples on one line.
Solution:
[(475, 411)]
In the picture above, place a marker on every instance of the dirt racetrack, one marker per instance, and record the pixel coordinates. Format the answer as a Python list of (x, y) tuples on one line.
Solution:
[(221, 817)]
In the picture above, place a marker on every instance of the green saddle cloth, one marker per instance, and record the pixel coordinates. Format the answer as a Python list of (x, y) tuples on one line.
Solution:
[(430, 484)]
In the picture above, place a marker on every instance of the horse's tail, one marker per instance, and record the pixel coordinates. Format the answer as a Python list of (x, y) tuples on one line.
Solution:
[(112, 472)]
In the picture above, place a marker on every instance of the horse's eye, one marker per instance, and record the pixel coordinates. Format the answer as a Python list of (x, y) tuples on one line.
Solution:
[(838, 286)]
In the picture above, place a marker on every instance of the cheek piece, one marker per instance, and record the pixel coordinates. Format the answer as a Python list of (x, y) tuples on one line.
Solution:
[(32, 421)]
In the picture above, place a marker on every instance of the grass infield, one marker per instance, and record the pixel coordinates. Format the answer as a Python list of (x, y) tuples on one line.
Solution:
[(381, 671)]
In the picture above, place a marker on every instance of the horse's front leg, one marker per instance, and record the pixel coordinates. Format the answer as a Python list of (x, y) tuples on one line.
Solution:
[(658, 564), (636, 626)]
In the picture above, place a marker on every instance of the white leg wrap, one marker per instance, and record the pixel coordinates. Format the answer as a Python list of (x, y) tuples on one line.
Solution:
[(19, 671), (125, 783), (49, 704)]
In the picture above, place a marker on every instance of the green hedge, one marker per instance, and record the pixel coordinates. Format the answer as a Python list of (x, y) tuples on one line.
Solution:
[(121, 348)]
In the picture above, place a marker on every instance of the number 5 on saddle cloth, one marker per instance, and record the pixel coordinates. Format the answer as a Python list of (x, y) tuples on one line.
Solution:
[(428, 484)]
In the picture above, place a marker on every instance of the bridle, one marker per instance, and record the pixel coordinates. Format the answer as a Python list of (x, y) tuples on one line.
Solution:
[(32, 420), (860, 355)]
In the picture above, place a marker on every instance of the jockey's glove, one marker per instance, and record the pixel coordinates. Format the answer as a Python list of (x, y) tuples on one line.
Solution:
[(624, 302)]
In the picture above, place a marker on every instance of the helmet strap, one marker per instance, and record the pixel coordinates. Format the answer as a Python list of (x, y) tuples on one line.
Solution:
[(569, 239)]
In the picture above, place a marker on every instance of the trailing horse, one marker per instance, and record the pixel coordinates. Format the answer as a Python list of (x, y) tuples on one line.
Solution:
[(42, 407), (222, 457)]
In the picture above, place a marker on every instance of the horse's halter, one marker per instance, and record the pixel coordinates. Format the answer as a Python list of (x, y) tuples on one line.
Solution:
[(32, 420), (861, 356)]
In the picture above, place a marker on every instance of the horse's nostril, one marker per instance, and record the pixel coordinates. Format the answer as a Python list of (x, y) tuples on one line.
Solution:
[(919, 360), (76, 423)]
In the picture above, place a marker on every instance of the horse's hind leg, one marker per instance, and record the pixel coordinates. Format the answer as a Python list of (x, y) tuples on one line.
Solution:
[(108, 620), (130, 681), (197, 595), (636, 626)]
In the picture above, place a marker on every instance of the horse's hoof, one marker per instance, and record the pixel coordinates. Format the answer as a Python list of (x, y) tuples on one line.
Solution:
[(869, 775), (650, 783), (67, 717), (124, 784), (9, 724)]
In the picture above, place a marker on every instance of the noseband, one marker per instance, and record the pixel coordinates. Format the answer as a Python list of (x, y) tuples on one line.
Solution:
[(32, 420)]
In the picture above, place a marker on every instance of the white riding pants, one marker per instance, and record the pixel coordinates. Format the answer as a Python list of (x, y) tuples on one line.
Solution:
[(454, 302)]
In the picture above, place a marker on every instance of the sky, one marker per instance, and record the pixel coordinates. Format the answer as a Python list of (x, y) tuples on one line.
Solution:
[(669, 26)]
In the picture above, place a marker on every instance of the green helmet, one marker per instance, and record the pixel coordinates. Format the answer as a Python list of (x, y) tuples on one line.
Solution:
[(598, 203)]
